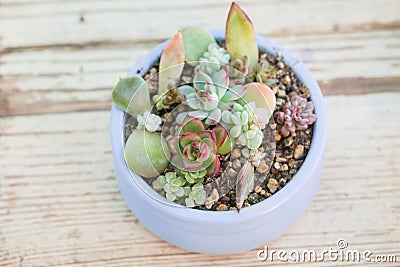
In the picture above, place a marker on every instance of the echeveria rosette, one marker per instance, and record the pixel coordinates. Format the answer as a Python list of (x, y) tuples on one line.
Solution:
[(264, 73), (239, 70), (209, 96), (195, 148), (213, 59), (297, 114)]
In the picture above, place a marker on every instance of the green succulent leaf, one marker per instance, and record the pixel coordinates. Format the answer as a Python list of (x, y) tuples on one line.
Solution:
[(132, 95), (196, 41), (240, 36)]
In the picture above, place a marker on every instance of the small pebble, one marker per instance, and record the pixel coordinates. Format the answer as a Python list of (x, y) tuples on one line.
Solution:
[(284, 167), (280, 102), (245, 152), (277, 165), (281, 160), (278, 137), (258, 189), (286, 80), (222, 207), (288, 141), (236, 164), (262, 168), (281, 92), (263, 192), (272, 185), (298, 152), (280, 65), (235, 153)]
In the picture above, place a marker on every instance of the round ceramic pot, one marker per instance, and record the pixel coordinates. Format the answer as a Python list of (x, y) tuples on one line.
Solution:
[(223, 232)]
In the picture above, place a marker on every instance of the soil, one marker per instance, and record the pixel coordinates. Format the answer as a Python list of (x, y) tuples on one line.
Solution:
[(290, 151)]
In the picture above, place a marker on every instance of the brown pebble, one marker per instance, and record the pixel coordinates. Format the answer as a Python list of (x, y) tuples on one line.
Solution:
[(284, 167), (298, 152), (235, 153), (222, 207), (286, 80), (280, 65), (258, 189), (272, 185), (279, 159), (278, 137), (263, 192), (262, 168)]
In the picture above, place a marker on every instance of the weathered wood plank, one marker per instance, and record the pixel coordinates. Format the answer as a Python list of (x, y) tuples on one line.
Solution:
[(74, 79), (60, 204), (46, 23)]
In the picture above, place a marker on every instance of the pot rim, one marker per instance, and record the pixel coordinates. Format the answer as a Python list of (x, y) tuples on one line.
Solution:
[(256, 210)]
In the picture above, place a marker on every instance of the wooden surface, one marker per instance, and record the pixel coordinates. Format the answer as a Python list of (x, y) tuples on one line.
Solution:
[(59, 200)]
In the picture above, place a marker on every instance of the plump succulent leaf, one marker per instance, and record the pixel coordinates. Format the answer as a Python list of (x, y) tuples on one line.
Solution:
[(171, 63), (146, 153), (261, 95), (245, 183), (240, 36), (196, 41), (192, 125), (132, 95)]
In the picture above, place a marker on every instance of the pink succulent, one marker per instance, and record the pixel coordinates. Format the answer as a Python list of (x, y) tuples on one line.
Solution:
[(195, 148), (297, 115)]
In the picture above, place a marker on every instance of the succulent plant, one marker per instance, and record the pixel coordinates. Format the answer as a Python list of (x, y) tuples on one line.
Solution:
[(171, 64), (240, 36), (243, 124), (148, 121), (209, 95), (196, 42), (194, 177), (146, 153), (213, 60), (197, 196), (168, 99), (130, 90), (297, 114), (194, 148), (173, 185), (264, 73), (238, 70)]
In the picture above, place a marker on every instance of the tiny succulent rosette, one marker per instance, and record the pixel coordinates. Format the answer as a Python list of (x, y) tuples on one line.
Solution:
[(224, 106), (148, 121), (297, 114)]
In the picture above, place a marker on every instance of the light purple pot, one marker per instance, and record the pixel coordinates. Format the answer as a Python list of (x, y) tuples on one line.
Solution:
[(225, 232)]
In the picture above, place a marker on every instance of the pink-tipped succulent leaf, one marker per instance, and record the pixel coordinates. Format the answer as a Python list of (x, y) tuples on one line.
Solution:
[(171, 64)]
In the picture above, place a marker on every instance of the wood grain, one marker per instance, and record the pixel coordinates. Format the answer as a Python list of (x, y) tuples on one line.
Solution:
[(35, 81), (59, 201)]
